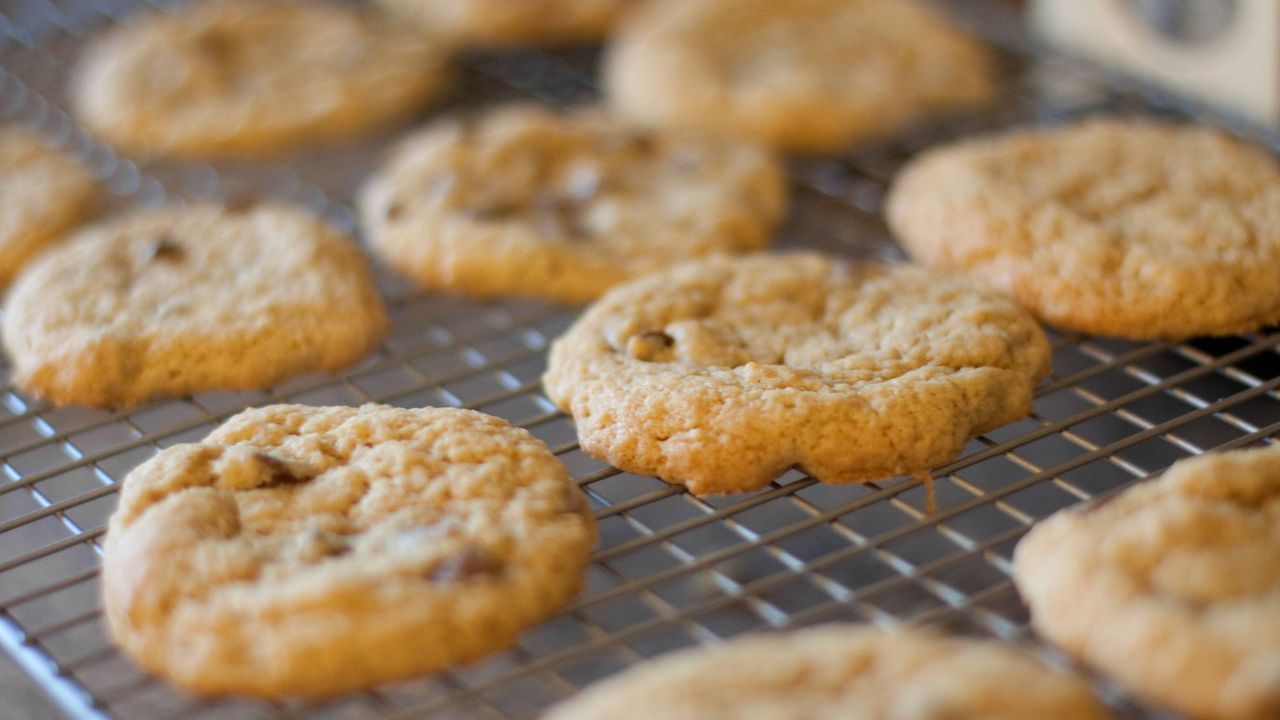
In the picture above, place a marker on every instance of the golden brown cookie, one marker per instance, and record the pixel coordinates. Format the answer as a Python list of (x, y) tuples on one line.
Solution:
[(182, 300), (850, 672), (495, 23), (1172, 586), (530, 201), (312, 551), (245, 77), (805, 75), (1116, 227), (43, 194), (722, 374)]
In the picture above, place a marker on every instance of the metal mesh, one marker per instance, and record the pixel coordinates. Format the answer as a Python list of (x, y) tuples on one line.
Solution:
[(671, 570)]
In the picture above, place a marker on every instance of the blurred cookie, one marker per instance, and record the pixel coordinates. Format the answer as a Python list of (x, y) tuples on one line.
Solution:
[(722, 374), (174, 301), (852, 672), (1172, 586), (1116, 227), (312, 551), (242, 77), (43, 194), (806, 75), (495, 23), (536, 202)]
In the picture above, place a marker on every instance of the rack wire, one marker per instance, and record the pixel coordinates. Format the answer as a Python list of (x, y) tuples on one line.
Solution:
[(671, 570)]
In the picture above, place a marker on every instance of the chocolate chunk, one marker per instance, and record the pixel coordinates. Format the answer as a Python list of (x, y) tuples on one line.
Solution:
[(465, 564), (650, 345), (282, 473), (166, 249)]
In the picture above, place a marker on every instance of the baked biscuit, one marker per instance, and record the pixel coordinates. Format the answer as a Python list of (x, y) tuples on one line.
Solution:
[(177, 300), (245, 77), (1116, 227), (851, 672), (804, 75), (311, 551), (722, 374), (495, 23), (1172, 586), (536, 202), (43, 194)]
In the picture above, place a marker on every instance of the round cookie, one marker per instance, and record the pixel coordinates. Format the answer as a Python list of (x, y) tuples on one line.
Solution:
[(43, 194), (536, 202), (496, 23), (1172, 586), (244, 77), (1116, 227), (852, 672), (805, 75), (183, 300), (722, 374), (312, 551)]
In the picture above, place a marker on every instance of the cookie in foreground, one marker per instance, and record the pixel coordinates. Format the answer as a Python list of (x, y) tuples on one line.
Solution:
[(1171, 586), (317, 550), (803, 75), (839, 671), (247, 77), (1125, 227), (182, 300), (530, 201), (43, 194), (722, 374)]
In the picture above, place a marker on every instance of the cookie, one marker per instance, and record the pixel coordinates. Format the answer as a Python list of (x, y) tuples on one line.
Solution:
[(174, 301), (1116, 227), (852, 672), (245, 77), (806, 75), (536, 202), (497, 23), (722, 374), (43, 194), (1172, 586), (311, 551)]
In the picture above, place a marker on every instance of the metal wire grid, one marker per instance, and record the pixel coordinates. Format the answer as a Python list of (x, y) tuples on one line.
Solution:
[(671, 570)]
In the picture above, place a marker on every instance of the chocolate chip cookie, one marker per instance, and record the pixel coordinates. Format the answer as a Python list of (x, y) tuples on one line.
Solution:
[(182, 300), (529, 201), (804, 75), (1121, 227), (1172, 586), (724, 373), (246, 77), (851, 672), (313, 551)]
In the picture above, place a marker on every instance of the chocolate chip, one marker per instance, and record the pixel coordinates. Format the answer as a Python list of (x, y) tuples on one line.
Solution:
[(282, 473), (166, 249), (650, 345), (464, 564)]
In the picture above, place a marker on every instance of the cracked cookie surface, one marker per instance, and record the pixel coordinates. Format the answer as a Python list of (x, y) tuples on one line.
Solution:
[(1172, 586), (497, 23), (804, 75), (43, 194), (1115, 227), (310, 551), (530, 201), (722, 374), (245, 77), (180, 300), (852, 672)]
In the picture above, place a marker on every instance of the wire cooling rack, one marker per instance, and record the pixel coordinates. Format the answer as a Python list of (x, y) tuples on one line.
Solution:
[(671, 570)]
